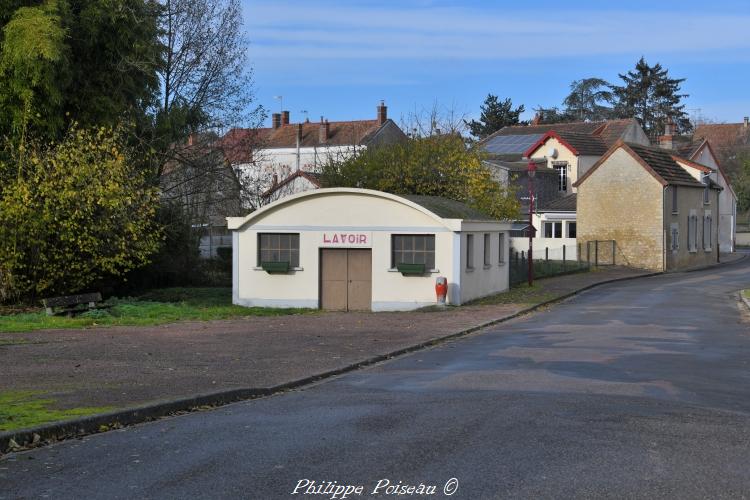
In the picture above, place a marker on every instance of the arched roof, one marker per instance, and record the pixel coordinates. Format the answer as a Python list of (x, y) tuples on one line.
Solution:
[(439, 209)]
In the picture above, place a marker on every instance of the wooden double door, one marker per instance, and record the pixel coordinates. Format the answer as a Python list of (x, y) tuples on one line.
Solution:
[(346, 279)]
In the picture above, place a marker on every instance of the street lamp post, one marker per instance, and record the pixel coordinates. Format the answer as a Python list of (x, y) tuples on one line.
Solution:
[(531, 172)]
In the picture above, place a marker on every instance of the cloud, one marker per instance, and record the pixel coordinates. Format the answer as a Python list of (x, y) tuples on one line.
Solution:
[(285, 31)]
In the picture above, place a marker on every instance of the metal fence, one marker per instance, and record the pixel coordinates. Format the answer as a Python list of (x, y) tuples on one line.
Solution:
[(600, 252), (548, 262)]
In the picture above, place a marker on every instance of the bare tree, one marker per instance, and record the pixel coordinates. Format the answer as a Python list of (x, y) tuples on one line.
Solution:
[(206, 90), (434, 120)]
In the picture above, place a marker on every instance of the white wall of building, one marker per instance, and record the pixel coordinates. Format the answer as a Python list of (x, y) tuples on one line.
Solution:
[(324, 212)]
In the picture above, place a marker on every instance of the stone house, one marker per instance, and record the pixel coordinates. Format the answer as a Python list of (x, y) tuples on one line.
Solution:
[(562, 153), (702, 160), (657, 214)]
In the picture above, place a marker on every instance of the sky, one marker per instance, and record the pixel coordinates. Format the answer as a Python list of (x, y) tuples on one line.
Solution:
[(338, 59)]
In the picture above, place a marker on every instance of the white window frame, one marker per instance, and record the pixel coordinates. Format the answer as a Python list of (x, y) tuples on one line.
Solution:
[(562, 175), (554, 224), (567, 228)]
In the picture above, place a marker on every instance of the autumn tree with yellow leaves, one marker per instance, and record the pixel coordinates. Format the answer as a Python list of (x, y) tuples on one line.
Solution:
[(437, 165), (71, 213)]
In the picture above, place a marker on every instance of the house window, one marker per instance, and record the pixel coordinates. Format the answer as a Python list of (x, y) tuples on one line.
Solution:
[(675, 236), (501, 249), (571, 229), (469, 251), (692, 232), (707, 231), (562, 177), (674, 199), (487, 250), (413, 249), (278, 247), (553, 229)]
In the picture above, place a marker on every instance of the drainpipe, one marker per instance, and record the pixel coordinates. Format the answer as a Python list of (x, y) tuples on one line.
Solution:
[(664, 228)]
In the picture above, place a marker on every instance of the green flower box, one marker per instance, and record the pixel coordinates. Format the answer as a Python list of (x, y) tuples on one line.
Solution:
[(275, 267), (411, 269)]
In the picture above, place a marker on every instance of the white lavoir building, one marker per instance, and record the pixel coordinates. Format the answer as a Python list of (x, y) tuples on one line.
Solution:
[(357, 249)]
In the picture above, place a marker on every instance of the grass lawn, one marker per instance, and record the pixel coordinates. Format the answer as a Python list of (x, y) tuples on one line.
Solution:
[(518, 294), (24, 409), (746, 293), (155, 307)]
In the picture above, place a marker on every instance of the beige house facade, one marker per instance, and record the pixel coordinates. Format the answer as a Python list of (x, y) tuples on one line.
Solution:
[(657, 214), (358, 249)]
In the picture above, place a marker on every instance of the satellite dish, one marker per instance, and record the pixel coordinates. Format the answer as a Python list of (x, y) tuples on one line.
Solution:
[(552, 153)]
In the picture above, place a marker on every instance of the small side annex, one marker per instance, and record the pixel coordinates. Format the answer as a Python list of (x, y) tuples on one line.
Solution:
[(358, 249)]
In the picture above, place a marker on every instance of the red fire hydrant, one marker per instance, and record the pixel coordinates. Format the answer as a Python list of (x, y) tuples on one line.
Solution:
[(441, 289)]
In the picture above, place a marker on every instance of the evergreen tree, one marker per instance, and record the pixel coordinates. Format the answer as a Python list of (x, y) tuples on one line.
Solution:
[(496, 114), (590, 99), (544, 116), (652, 97)]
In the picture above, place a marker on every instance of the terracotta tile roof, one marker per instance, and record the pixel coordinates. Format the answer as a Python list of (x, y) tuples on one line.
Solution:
[(687, 147), (239, 142), (580, 144), (724, 136), (613, 130), (662, 162), (313, 177)]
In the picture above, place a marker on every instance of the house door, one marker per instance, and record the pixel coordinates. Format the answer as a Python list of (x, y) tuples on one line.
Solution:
[(345, 279)]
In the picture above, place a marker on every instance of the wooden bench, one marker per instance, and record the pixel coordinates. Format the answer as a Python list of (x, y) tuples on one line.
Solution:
[(71, 301)]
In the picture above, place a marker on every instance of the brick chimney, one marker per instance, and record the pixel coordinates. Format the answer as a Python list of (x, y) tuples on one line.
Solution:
[(325, 129), (276, 119), (666, 141), (382, 113), (285, 118)]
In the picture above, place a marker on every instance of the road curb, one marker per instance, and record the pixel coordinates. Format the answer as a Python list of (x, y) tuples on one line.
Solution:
[(50, 433), (743, 299)]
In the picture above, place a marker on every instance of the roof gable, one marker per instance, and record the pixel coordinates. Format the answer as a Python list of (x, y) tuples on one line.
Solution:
[(578, 144), (658, 162)]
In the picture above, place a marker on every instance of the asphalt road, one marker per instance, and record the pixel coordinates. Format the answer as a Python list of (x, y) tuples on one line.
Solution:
[(639, 390)]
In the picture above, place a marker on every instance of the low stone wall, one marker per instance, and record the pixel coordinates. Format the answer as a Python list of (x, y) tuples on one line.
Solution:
[(743, 239)]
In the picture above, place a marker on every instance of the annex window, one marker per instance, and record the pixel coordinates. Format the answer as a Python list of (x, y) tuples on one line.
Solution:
[(413, 249), (553, 229), (562, 176), (674, 199), (278, 247), (487, 250), (469, 251), (501, 249), (675, 237), (571, 229), (707, 231)]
